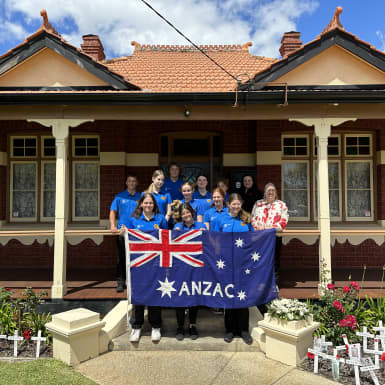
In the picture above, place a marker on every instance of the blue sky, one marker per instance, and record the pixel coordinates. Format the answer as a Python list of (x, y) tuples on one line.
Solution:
[(118, 22)]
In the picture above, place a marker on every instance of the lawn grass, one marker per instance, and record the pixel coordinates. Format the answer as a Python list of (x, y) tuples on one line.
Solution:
[(40, 372)]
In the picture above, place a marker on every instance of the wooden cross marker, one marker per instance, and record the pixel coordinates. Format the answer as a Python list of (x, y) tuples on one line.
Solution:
[(3, 336), (365, 336), (381, 329), (369, 367), (15, 338), (39, 338)]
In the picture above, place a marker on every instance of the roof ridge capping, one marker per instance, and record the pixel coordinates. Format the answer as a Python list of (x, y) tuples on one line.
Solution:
[(190, 48)]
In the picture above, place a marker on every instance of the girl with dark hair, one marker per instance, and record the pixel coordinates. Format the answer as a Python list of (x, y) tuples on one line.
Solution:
[(146, 217), (217, 209), (201, 192), (249, 192), (196, 204), (163, 200), (186, 215), (236, 220)]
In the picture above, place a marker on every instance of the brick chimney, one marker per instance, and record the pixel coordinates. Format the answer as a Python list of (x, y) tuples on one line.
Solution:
[(290, 42), (93, 46)]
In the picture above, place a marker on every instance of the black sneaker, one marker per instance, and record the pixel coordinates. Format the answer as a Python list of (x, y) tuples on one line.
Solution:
[(247, 338), (229, 337), (193, 332), (217, 310), (179, 334), (120, 287)]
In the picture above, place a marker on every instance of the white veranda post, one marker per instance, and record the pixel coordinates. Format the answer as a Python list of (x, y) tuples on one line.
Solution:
[(60, 130), (322, 130)]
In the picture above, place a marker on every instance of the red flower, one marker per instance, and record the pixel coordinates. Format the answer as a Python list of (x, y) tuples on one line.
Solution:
[(344, 323), (311, 355), (338, 356), (342, 310), (8, 289), (331, 286), (346, 289), (355, 285), (337, 305), (382, 357), (27, 334)]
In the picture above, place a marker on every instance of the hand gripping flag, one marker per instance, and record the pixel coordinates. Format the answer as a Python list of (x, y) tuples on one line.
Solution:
[(200, 268)]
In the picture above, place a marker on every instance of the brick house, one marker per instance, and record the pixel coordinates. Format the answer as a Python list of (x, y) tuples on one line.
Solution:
[(70, 116)]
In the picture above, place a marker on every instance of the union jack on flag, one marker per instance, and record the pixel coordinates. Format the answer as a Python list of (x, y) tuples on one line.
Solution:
[(183, 247)]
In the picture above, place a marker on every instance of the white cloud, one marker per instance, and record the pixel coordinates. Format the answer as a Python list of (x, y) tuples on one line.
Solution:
[(381, 36), (8, 28), (118, 22)]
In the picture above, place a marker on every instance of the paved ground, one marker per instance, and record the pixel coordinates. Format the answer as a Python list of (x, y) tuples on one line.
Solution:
[(192, 368)]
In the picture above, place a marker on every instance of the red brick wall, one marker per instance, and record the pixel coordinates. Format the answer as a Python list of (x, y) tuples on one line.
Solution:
[(269, 173)]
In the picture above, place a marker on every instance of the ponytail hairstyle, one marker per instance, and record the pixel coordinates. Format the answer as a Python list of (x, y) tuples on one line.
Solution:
[(156, 173), (243, 215), (139, 209), (223, 195), (188, 184), (179, 211)]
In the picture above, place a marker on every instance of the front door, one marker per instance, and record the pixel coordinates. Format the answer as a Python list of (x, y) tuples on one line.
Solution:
[(196, 152)]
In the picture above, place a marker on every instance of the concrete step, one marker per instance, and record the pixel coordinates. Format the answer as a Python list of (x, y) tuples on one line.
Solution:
[(211, 332)]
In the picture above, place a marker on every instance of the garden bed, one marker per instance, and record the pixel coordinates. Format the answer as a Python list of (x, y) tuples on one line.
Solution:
[(25, 350)]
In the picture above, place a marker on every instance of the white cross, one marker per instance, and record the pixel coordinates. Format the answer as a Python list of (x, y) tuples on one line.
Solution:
[(3, 336), (355, 360), (365, 336), (369, 367), (381, 329), (324, 344), (15, 338), (39, 338)]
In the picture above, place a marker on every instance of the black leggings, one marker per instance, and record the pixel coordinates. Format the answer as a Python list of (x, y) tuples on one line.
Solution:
[(180, 315)]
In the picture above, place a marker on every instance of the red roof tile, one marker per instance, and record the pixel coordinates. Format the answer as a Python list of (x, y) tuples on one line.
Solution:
[(179, 68)]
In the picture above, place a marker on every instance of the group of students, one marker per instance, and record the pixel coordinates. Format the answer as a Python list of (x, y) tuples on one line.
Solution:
[(174, 204)]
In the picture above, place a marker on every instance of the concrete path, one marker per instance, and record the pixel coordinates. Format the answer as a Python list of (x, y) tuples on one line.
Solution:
[(193, 368)]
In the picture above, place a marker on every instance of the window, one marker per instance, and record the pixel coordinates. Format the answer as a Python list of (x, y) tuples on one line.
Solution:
[(48, 146), (48, 184), (350, 177), (85, 178), (24, 147)]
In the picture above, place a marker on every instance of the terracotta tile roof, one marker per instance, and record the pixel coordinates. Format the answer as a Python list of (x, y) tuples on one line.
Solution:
[(178, 68)]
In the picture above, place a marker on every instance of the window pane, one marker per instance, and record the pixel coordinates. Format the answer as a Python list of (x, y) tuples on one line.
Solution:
[(358, 175), (18, 142), (86, 176), (24, 190), (30, 151), (332, 150), (351, 141), (295, 176), (49, 203), (364, 151), (289, 151), (30, 142), (363, 140), (18, 151), (351, 151), (80, 142), (358, 203), (92, 151), (334, 203), (301, 141), (49, 142), (301, 151), (86, 204), (49, 151), (296, 202), (333, 141), (92, 142), (49, 176), (288, 141), (80, 151)]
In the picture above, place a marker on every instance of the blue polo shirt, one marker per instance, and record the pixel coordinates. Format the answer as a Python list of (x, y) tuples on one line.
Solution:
[(196, 225), (124, 204), (158, 221), (212, 214), (162, 200), (228, 224), (196, 205), (197, 195), (173, 188)]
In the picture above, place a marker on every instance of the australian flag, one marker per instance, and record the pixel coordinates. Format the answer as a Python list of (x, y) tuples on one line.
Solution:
[(200, 268)]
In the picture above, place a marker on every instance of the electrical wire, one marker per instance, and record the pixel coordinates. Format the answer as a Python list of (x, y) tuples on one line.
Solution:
[(196, 46)]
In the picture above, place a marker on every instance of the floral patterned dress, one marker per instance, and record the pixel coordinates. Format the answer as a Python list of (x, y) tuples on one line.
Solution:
[(269, 215)]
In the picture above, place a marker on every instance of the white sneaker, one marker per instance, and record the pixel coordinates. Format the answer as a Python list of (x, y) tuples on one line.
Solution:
[(155, 334), (135, 335)]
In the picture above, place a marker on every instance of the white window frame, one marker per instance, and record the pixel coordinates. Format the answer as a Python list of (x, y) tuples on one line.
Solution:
[(85, 137), (292, 218), (84, 219), (23, 219), (360, 219), (370, 136), (23, 137), (333, 219), (42, 147), (42, 217), (307, 136)]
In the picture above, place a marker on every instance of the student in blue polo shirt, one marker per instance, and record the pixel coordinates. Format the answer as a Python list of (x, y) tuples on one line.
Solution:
[(236, 220), (123, 206), (201, 192), (146, 217), (196, 204), (172, 185), (163, 200), (223, 183), (217, 209), (186, 218)]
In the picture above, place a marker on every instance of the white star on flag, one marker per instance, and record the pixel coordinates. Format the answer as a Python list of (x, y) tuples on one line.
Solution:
[(247, 271), (220, 264), (166, 287), (255, 257), (241, 295), (239, 242)]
